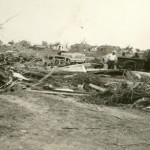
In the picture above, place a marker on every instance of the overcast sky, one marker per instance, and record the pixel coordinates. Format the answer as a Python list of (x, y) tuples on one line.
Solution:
[(113, 22)]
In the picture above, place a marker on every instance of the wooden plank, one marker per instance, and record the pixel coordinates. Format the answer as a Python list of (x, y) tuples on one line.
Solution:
[(73, 68), (58, 93), (109, 72), (63, 90), (136, 73), (49, 74), (129, 76), (97, 87), (45, 77)]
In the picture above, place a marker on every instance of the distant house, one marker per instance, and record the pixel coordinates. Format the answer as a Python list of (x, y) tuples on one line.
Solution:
[(60, 47), (55, 46), (106, 49), (93, 49), (80, 47)]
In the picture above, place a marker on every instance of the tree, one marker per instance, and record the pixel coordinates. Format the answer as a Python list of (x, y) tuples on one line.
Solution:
[(24, 43), (11, 42), (129, 49), (45, 44), (137, 50)]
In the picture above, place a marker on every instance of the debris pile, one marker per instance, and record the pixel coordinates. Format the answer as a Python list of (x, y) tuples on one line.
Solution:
[(120, 93), (97, 85)]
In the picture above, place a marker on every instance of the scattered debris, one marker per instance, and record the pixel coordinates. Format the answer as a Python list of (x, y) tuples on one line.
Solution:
[(93, 81), (147, 108), (141, 103), (140, 75), (18, 76)]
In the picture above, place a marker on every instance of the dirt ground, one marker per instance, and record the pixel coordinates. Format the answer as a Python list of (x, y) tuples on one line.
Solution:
[(30, 121)]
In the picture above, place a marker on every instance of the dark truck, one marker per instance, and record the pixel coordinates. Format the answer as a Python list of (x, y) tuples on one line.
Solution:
[(139, 64)]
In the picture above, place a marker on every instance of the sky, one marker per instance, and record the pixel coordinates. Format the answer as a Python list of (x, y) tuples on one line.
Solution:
[(98, 22)]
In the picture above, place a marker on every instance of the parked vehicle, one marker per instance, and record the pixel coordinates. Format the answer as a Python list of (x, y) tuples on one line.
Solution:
[(57, 60), (75, 57), (131, 63)]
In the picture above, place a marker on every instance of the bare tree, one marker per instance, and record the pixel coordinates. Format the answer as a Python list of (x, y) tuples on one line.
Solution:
[(2, 24)]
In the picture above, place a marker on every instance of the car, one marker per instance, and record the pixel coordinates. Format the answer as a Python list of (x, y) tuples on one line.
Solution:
[(58, 60), (75, 57)]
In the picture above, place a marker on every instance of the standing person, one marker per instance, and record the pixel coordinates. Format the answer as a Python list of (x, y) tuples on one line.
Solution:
[(112, 59)]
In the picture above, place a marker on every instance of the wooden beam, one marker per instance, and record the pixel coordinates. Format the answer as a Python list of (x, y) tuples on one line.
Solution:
[(97, 87), (59, 93)]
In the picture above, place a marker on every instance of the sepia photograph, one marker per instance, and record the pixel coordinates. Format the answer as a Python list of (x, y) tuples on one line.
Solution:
[(74, 75)]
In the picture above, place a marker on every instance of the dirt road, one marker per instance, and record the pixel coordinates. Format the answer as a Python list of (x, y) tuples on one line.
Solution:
[(31, 121)]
